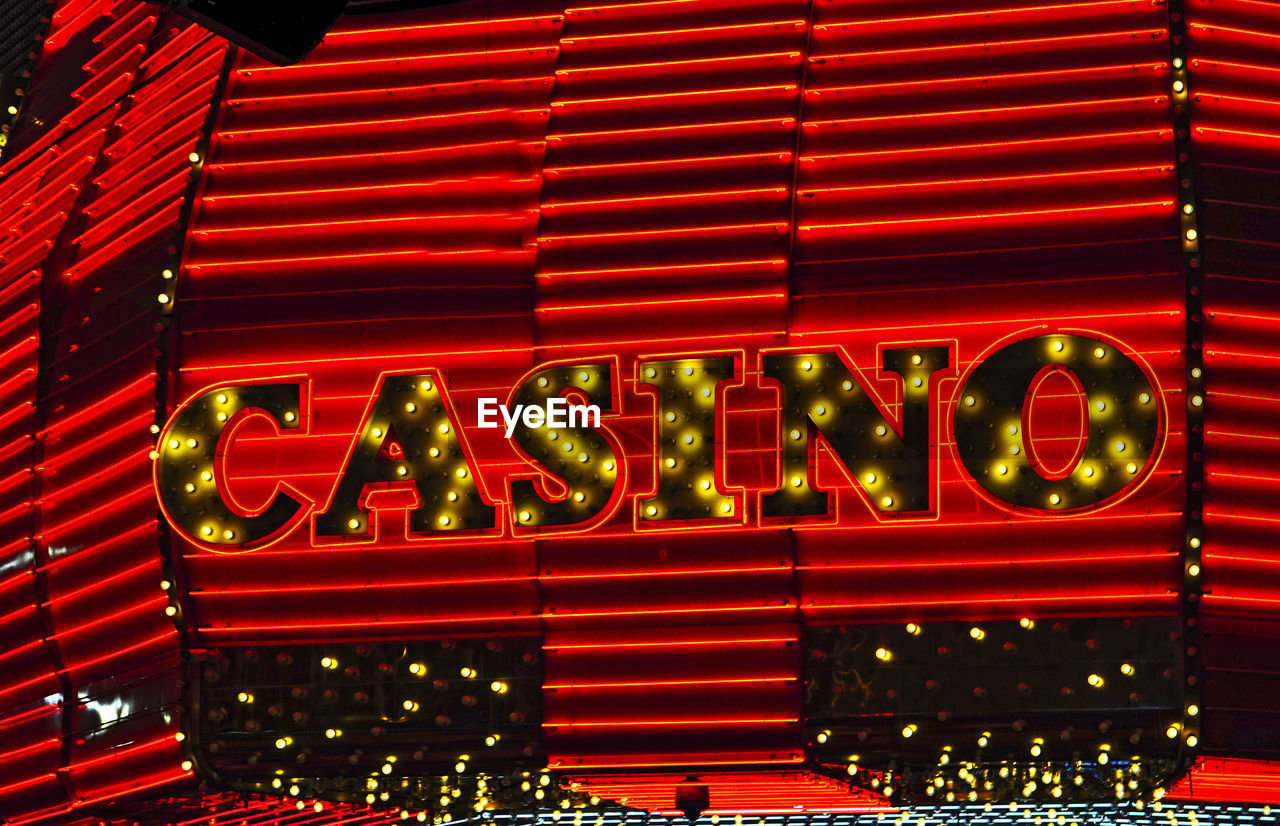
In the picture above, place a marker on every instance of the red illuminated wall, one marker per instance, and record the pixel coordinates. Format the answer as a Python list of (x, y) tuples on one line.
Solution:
[(483, 193), (643, 179)]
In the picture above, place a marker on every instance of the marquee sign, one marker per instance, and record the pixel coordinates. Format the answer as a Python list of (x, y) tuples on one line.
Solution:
[(575, 477)]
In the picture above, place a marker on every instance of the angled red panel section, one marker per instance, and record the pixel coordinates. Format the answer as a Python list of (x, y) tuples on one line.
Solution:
[(1235, 93), (98, 173)]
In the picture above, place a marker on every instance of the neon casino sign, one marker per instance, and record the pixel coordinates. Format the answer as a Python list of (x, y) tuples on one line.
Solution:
[(575, 471)]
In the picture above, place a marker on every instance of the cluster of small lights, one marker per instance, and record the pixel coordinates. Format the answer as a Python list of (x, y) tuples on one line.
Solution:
[(391, 759), (1187, 731), (685, 449), (1010, 760)]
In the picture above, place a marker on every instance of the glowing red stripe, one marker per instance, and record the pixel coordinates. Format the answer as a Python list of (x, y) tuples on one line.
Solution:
[(676, 759), (359, 124), (116, 754), (674, 96), (411, 356), (365, 92), (728, 721), (776, 226), (97, 584), (648, 683), (1201, 130), (982, 14), (1214, 27), (674, 268), (1031, 41), (60, 494), (664, 130), (659, 199), (120, 244), (137, 608), (369, 156), (361, 222), (147, 527), (13, 652), (128, 429), (669, 64), (817, 91), (28, 782), (377, 623), (1236, 98), (346, 586), (649, 35), (697, 159), (1233, 65), (759, 569), (355, 256), (972, 600), (119, 652), (1032, 107), (371, 62), (136, 786), (342, 190), (121, 502), (553, 615), (31, 749), (992, 215), (98, 408), (433, 28), (641, 305), (977, 561), (620, 644), (1039, 176)]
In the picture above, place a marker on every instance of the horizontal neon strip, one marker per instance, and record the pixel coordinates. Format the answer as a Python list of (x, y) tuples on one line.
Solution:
[(991, 215), (377, 623), (817, 91), (675, 96), (343, 190), (665, 130), (372, 157), (730, 721), (776, 226), (369, 62), (366, 223), (641, 305), (660, 199), (983, 14), (698, 159), (671, 64), (993, 179), (659, 33), (667, 643), (1213, 27), (1037, 107), (346, 586), (435, 28), (1082, 599), (649, 683), (772, 263), (1059, 40)]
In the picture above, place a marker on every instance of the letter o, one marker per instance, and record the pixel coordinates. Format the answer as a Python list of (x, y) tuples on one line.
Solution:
[(991, 422)]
